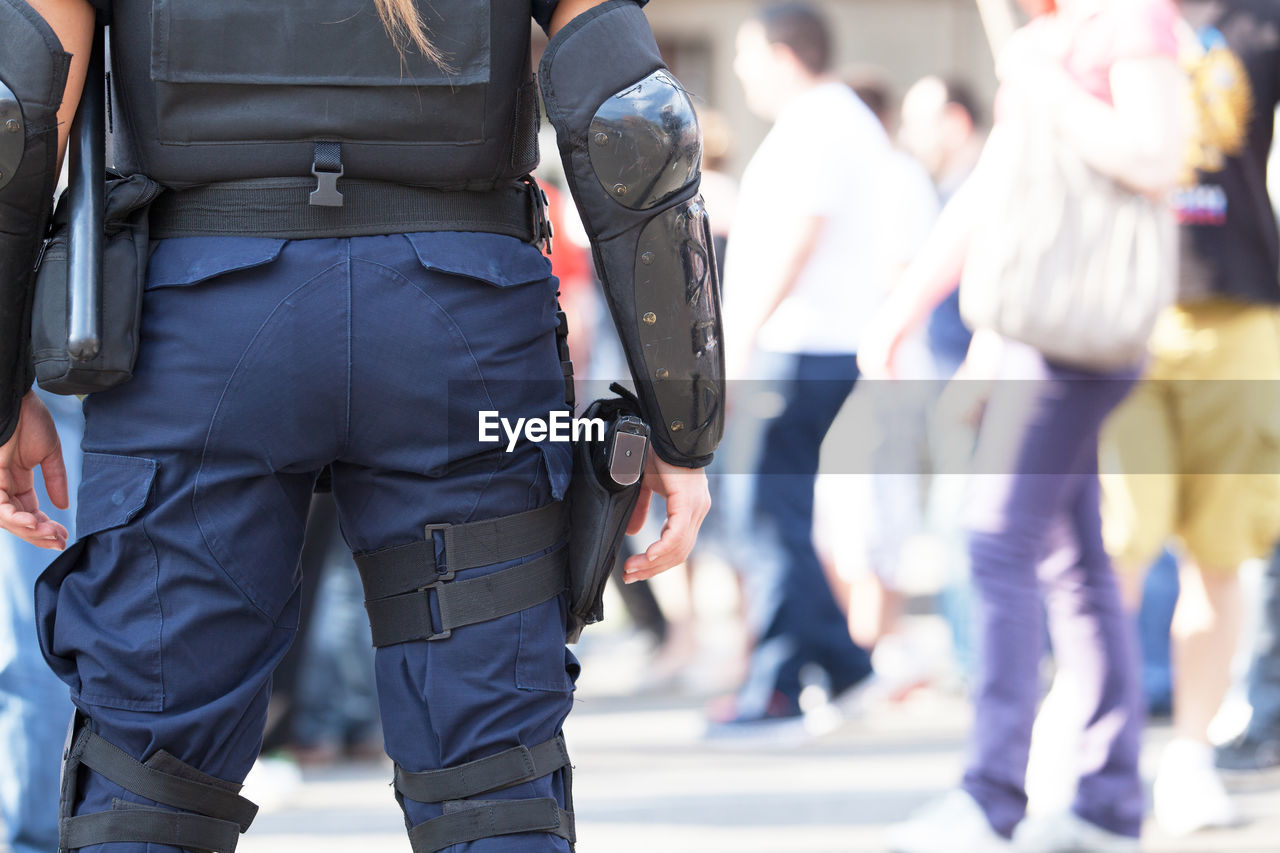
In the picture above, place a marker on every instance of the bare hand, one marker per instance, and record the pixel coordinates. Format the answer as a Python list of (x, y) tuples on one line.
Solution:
[(34, 442), (964, 401), (878, 350), (1031, 70), (688, 501)]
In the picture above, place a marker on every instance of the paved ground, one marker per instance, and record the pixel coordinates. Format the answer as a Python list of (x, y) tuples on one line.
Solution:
[(645, 780), (646, 783)]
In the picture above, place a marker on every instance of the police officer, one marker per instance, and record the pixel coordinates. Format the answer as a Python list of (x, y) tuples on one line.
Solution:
[(345, 272)]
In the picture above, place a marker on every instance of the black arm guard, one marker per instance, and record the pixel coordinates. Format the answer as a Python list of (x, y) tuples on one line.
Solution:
[(631, 150), (33, 74)]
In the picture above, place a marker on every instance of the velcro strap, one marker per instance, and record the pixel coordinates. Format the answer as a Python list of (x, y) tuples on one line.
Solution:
[(145, 825), (507, 768), (145, 781), (489, 819), (405, 568), (408, 617)]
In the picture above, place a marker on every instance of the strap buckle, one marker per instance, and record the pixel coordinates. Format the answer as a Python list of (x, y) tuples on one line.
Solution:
[(426, 593), (538, 217), (327, 168), (326, 192), (444, 574)]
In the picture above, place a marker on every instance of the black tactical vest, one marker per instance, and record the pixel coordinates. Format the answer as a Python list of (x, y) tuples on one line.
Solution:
[(219, 90)]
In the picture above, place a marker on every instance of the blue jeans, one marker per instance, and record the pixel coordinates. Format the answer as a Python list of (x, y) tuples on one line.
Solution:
[(1036, 536), (34, 708), (1264, 677), (262, 361), (1159, 598), (791, 610)]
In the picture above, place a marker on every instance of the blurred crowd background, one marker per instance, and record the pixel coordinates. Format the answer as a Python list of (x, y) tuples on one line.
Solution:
[(1080, 549)]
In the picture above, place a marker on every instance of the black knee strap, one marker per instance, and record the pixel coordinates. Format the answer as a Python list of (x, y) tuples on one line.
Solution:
[(476, 819), (400, 582), (485, 775), (468, 820), (220, 813)]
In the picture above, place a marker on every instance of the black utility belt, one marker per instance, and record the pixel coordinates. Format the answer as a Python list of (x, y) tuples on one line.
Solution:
[(282, 208)]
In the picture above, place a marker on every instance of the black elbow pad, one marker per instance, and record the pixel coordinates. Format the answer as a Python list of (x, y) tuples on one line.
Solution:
[(632, 150), (33, 75)]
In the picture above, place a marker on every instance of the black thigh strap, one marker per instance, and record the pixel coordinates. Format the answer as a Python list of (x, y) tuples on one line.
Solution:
[(402, 618), (405, 568), (490, 818), (146, 781), (141, 825), (507, 768)]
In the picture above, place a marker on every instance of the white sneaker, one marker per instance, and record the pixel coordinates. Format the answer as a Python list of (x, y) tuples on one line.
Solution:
[(1067, 832), (1188, 794), (850, 704), (953, 824)]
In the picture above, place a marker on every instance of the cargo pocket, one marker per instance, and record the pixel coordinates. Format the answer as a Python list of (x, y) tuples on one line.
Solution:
[(543, 661), (185, 261), (97, 606), (494, 259)]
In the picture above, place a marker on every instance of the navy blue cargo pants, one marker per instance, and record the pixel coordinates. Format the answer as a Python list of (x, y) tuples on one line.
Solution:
[(261, 362)]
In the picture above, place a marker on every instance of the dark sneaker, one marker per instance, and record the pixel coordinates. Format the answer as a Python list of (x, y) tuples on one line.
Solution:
[(1252, 755)]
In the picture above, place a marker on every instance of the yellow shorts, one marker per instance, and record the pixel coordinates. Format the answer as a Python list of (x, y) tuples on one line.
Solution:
[(1194, 452)]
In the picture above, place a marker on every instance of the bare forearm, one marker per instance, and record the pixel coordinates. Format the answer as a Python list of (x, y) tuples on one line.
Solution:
[(72, 22), (793, 253), (1140, 140), (936, 270)]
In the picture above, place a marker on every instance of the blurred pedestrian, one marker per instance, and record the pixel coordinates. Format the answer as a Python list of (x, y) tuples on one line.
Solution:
[(1197, 450), (35, 710), (942, 126), (908, 207), (803, 265), (1256, 750), (337, 713), (1103, 79)]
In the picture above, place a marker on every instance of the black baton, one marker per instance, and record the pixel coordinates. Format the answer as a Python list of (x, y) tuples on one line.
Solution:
[(87, 179)]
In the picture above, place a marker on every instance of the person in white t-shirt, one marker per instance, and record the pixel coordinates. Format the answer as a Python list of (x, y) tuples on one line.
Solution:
[(806, 262)]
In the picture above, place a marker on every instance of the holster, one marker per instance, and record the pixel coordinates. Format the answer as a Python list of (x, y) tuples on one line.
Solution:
[(598, 515), (126, 246)]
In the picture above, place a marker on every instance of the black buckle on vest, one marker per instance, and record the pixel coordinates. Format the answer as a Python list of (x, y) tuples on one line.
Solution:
[(327, 168)]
